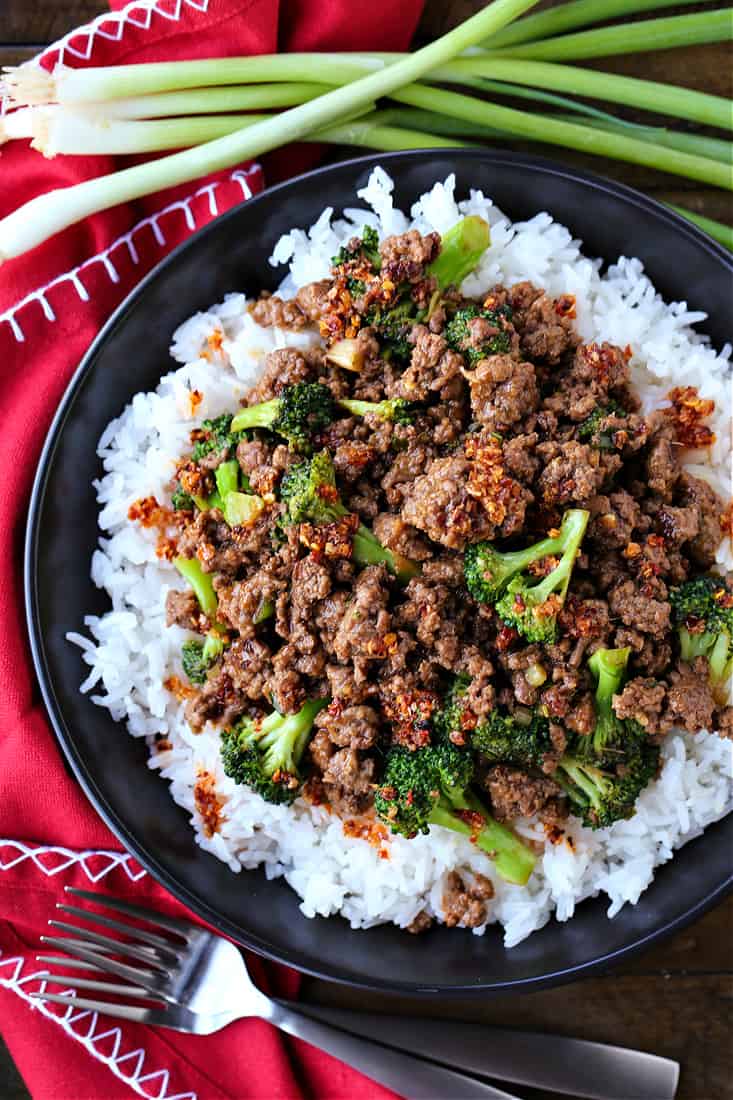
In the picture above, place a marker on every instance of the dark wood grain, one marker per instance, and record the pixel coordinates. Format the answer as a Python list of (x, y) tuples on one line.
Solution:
[(675, 999)]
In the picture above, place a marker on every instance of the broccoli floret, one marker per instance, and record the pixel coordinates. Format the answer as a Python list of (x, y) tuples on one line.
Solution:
[(600, 796), (457, 333), (521, 600), (519, 739), (300, 412), (367, 248), (310, 494), (265, 753), (461, 248), (452, 719), (181, 501), (198, 657), (607, 769), (612, 738), (397, 409), (218, 436), (594, 429), (393, 326), (702, 611), (430, 786)]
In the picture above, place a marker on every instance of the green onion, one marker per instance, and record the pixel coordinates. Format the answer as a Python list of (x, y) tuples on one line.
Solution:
[(650, 34), (564, 17), (715, 148), (205, 101), (29, 84), (719, 232), (567, 134), (49, 213), (645, 94), (67, 134)]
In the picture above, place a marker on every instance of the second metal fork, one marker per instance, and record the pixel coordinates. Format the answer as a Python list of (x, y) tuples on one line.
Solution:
[(192, 980)]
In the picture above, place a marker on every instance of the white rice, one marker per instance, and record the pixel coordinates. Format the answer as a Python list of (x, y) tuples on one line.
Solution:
[(132, 652)]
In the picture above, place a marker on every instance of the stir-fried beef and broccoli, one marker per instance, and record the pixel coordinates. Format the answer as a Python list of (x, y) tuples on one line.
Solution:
[(442, 569)]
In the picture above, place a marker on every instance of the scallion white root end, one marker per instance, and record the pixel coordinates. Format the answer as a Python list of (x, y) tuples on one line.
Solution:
[(29, 85)]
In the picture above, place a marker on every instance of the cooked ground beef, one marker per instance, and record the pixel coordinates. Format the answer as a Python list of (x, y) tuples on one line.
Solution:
[(495, 446), (464, 900), (514, 793)]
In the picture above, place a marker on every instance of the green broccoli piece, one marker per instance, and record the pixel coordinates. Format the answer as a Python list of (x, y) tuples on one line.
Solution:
[(519, 739), (190, 569), (227, 478), (265, 753), (594, 429), (309, 492), (452, 719), (300, 412), (181, 501), (397, 409), (197, 657), (600, 796), (367, 249), (612, 737), (702, 611), (430, 786), (521, 600), (218, 436), (461, 248), (458, 332), (393, 326)]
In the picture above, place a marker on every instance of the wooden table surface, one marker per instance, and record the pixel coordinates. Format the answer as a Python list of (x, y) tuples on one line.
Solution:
[(677, 998)]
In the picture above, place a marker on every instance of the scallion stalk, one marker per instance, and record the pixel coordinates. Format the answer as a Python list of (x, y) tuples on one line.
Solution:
[(64, 132), (698, 144), (30, 85), (567, 134), (206, 101), (650, 34), (719, 232), (48, 214), (649, 95), (565, 17)]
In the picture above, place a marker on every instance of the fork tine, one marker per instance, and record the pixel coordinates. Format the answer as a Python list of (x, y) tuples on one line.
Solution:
[(151, 979), (116, 947), (100, 987), (108, 1008), (173, 924), (73, 964), (160, 942)]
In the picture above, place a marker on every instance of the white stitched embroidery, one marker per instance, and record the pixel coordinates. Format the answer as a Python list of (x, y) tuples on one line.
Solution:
[(126, 240), (52, 860), (91, 1030), (112, 26)]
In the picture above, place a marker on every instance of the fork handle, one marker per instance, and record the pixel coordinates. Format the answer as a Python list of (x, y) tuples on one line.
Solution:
[(572, 1066), (405, 1075)]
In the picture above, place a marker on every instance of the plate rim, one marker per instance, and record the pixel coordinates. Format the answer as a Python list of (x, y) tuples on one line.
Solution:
[(290, 956)]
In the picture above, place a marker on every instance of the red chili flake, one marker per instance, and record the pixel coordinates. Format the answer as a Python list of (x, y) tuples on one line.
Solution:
[(506, 637), (471, 818), (688, 410), (335, 708), (565, 306)]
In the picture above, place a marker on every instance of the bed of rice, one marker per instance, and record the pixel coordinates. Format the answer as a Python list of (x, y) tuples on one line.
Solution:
[(131, 652)]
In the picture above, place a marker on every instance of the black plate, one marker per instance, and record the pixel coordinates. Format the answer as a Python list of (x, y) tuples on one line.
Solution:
[(130, 355)]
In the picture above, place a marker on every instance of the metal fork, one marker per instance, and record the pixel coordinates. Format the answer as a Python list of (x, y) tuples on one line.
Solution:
[(195, 981), (210, 978)]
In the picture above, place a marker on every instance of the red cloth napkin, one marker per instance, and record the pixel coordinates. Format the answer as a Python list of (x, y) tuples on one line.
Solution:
[(52, 303)]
